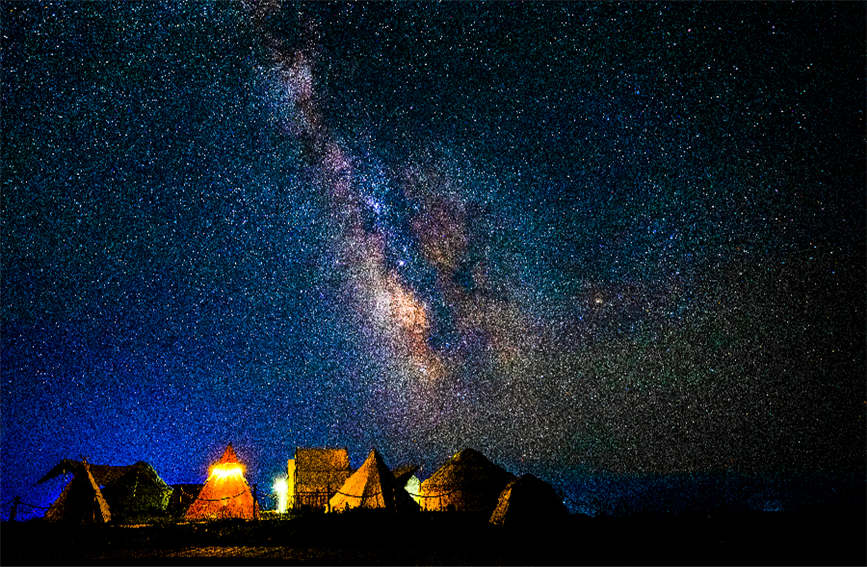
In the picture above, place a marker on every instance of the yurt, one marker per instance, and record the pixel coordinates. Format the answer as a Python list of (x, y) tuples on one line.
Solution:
[(528, 501), (468, 482), (372, 486), (137, 493), (226, 493)]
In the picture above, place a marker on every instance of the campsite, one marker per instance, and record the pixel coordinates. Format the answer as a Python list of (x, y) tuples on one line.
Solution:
[(469, 511), (433, 282)]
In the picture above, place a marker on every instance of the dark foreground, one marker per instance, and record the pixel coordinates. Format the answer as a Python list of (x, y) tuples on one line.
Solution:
[(372, 538)]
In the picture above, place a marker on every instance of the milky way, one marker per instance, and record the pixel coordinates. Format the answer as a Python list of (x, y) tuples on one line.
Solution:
[(579, 238)]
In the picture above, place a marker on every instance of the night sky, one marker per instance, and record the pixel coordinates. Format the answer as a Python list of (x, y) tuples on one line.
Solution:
[(616, 239)]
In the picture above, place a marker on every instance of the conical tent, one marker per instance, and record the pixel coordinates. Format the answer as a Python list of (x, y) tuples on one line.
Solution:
[(81, 501), (226, 493), (468, 482), (372, 486), (528, 501)]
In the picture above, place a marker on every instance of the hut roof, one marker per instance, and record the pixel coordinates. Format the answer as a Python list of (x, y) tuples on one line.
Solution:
[(319, 469), (468, 467), (467, 482), (321, 459)]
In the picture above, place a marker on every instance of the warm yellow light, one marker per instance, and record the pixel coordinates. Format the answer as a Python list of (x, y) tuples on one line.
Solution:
[(413, 486), (281, 488), (227, 471)]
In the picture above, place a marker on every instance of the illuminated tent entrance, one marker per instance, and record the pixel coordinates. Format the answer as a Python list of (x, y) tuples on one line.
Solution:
[(372, 486), (226, 493)]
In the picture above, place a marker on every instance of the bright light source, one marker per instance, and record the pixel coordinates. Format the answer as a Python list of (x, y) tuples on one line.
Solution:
[(227, 471), (413, 486), (281, 488)]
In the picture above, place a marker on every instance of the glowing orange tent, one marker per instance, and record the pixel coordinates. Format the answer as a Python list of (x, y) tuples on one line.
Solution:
[(226, 493)]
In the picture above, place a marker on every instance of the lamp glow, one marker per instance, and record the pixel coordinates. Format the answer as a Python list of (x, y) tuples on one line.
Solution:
[(224, 472), (281, 488)]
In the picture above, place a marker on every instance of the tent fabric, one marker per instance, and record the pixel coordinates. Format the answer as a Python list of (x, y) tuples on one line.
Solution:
[(65, 466), (319, 473), (528, 501), (468, 482), (226, 493), (108, 474), (139, 492), (372, 486), (81, 501), (229, 456), (102, 474), (130, 491)]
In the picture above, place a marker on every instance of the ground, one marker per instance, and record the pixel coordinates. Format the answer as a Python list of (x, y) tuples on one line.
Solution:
[(430, 538)]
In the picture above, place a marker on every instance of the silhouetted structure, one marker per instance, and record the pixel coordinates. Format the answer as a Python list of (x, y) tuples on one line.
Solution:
[(528, 501)]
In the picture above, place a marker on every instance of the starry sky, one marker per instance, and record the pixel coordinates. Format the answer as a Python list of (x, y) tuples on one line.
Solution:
[(621, 239)]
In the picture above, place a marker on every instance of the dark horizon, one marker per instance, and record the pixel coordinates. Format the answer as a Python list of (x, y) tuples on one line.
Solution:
[(589, 240)]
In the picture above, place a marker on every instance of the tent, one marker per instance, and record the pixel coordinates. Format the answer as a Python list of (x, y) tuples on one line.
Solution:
[(528, 501), (131, 491), (81, 501), (226, 493), (468, 482), (372, 486), (137, 493)]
